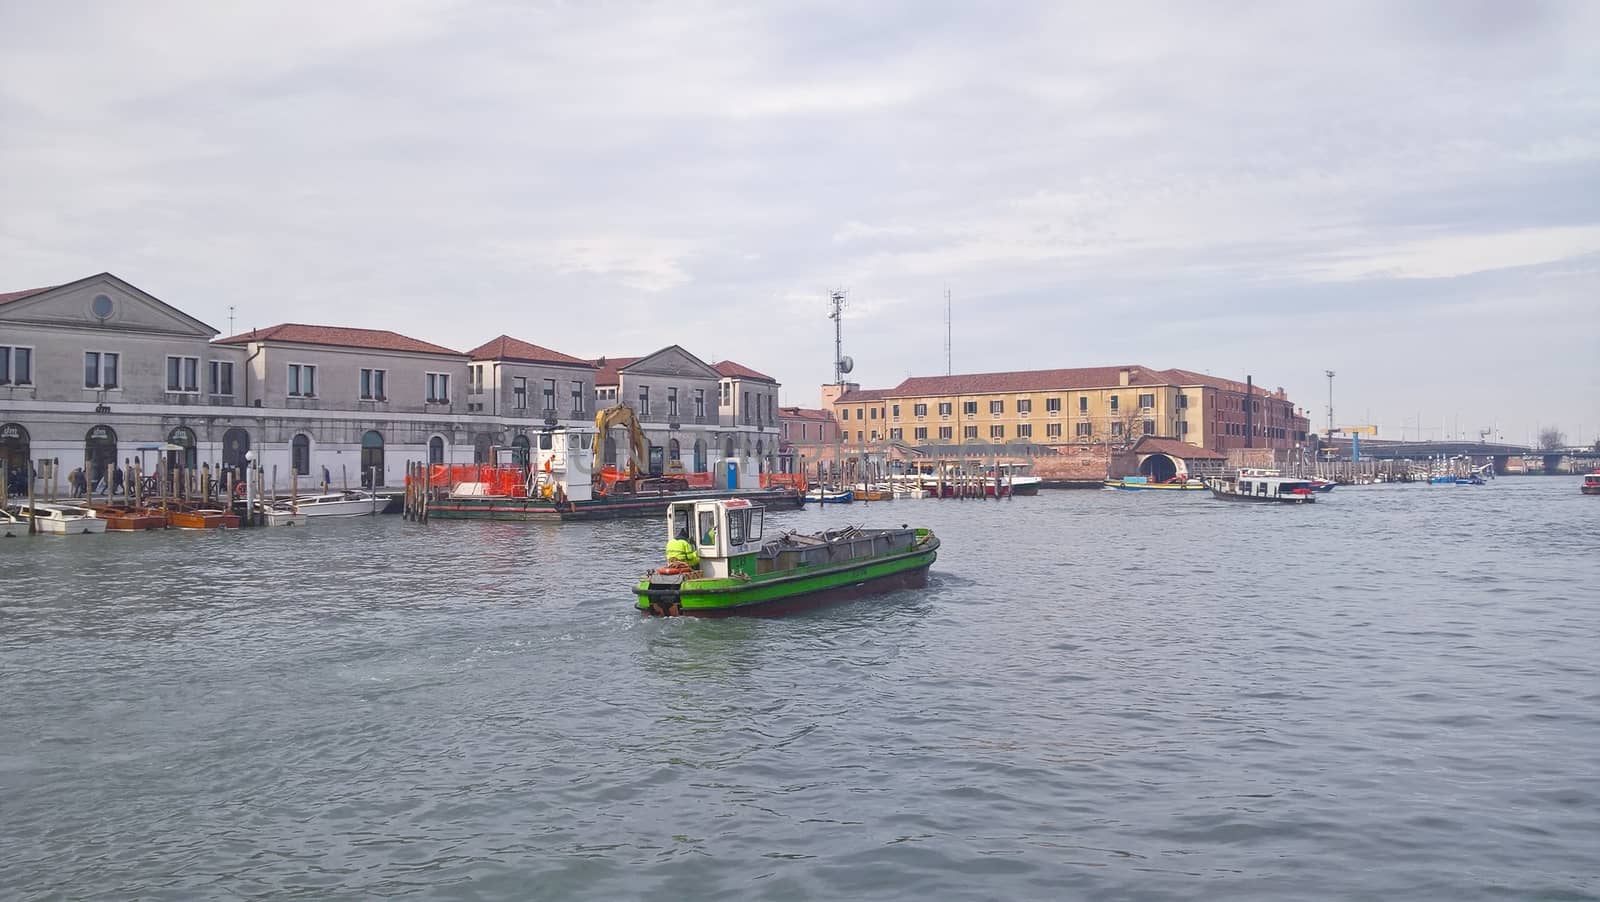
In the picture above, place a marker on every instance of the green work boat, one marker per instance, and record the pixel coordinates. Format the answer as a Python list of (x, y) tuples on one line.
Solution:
[(731, 570)]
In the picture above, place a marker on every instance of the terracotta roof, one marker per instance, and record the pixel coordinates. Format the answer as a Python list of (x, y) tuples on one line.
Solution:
[(1152, 445), (739, 371), (1025, 380), (514, 349), (608, 367), (865, 394), (804, 413), (338, 337), (9, 296)]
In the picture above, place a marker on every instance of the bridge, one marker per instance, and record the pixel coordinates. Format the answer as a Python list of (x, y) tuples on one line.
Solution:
[(1496, 452)]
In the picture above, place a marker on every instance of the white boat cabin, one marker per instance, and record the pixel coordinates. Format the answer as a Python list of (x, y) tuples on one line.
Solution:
[(563, 461), (719, 530)]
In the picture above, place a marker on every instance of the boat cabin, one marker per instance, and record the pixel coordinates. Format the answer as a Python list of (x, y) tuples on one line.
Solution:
[(562, 461), (726, 534)]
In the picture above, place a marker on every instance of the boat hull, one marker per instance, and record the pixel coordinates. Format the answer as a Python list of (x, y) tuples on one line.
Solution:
[(613, 507), (129, 520), (780, 594), (1265, 499), (202, 519), (72, 526), (1590, 489), (1123, 486)]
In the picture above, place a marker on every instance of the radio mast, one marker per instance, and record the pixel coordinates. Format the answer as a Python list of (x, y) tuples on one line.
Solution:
[(947, 366), (842, 365)]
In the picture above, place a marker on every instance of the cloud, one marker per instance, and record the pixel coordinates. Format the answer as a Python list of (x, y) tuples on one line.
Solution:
[(1170, 184)]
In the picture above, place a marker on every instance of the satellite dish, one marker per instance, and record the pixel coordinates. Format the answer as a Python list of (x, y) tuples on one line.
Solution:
[(846, 364)]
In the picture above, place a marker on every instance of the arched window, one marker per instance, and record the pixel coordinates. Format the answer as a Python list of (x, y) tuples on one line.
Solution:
[(300, 454), (100, 450), (187, 456), (436, 450), (372, 459), (674, 451)]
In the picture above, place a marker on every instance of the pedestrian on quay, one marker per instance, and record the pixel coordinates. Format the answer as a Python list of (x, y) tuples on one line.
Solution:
[(327, 479)]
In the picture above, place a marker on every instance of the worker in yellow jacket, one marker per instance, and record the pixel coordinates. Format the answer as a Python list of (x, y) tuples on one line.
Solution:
[(680, 551)]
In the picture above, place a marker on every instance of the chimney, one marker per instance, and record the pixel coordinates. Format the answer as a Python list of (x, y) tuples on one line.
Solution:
[(1249, 413), (1124, 377)]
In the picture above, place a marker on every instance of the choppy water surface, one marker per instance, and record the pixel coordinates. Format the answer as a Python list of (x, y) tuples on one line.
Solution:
[(1392, 694)]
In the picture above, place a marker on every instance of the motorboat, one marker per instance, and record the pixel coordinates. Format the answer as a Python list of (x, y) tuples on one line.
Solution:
[(731, 568), (11, 524), (60, 519), (1322, 485), (1270, 489), (342, 504), (186, 516), (281, 514), (131, 519), (1145, 483), (1591, 483), (821, 495)]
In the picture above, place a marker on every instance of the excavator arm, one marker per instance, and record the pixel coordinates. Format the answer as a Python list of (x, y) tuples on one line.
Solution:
[(622, 415)]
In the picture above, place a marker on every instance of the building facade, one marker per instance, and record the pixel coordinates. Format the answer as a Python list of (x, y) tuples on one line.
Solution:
[(98, 372), (1093, 405), (692, 412)]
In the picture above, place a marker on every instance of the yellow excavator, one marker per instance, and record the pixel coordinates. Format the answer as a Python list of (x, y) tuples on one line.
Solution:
[(622, 415)]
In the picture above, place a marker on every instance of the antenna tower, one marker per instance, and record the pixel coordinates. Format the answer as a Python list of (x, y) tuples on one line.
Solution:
[(947, 365), (1330, 402), (841, 363), (230, 319)]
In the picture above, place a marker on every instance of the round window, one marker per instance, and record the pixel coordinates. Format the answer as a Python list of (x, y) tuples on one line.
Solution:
[(102, 305)]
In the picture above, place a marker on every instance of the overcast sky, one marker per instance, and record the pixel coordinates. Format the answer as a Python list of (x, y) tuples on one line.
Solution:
[(1408, 194)]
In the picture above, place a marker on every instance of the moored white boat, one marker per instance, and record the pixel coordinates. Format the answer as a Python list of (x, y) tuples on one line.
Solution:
[(341, 504), (11, 524), (61, 519)]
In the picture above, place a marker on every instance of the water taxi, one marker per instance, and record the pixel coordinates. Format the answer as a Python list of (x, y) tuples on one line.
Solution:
[(1591, 483), (131, 519), (1271, 489), (734, 569), (1144, 483)]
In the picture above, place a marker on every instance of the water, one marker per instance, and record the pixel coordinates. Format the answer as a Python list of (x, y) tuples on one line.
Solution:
[(1391, 694)]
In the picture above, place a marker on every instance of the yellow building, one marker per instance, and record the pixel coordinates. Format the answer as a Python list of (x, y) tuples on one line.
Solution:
[(1091, 405)]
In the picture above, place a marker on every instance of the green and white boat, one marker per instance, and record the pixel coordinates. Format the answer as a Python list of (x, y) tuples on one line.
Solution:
[(738, 571)]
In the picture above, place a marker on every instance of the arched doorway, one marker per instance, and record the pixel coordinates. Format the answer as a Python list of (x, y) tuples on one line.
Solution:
[(481, 447), (1158, 467), (699, 455), (16, 454), (300, 454), (235, 445), (372, 459), (436, 450), (100, 451), (761, 455), (519, 450), (188, 457)]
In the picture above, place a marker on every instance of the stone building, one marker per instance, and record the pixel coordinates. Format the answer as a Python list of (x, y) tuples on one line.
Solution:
[(98, 371)]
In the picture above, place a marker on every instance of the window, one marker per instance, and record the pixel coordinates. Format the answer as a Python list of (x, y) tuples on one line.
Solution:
[(1183, 402), (861, 413), (920, 433), (183, 374), (548, 394), (859, 439), (1147, 401), (874, 435), (1116, 428), (874, 413), (998, 430), (1085, 430), (222, 378), (372, 385), (894, 411), (577, 396), (438, 388), (1025, 406), (919, 410), (944, 408), (1052, 430), (300, 454), (1114, 401), (100, 369), (783, 430), (744, 406), (996, 408), (672, 403), (1149, 427), (970, 408), (844, 414), (1025, 430), (16, 365), (1052, 406), (896, 435), (969, 432), (475, 379), (945, 432), (519, 392), (699, 403), (644, 401)]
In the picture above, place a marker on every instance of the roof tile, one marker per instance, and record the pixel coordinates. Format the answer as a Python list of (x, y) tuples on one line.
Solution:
[(514, 349), (339, 337)]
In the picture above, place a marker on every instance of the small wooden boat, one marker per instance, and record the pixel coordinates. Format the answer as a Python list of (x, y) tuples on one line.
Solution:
[(830, 496), (61, 519), (1144, 483), (1272, 489), (736, 571), (1591, 483), (131, 519), (195, 517)]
